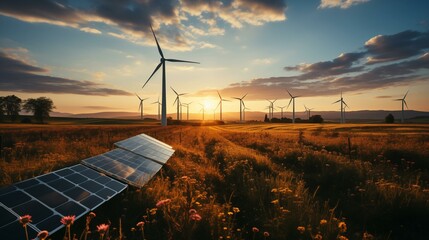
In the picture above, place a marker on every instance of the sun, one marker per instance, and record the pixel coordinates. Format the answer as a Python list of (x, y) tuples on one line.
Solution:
[(209, 104)]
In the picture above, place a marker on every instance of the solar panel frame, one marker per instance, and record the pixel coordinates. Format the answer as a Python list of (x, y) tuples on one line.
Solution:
[(47, 203)]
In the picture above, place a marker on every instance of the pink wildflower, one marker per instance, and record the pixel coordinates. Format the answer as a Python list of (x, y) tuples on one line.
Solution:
[(102, 228), (25, 219), (266, 234), (68, 220), (192, 211), (255, 229), (163, 202), (140, 224), (43, 234), (196, 217)]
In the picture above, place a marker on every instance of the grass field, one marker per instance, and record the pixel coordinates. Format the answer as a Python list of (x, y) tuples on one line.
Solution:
[(250, 181)]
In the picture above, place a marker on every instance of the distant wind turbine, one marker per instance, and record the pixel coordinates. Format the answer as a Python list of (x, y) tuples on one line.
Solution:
[(308, 110), (141, 105), (202, 109), (187, 109), (342, 107), (220, 104), (164, 92), (159, 105), (177, 102), (244, 111), (271, 109), (292, 99), (403, 102), (241, 106), (282, 110)]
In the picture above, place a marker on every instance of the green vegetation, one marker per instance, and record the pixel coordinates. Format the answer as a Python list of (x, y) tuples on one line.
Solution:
[(251, 181)]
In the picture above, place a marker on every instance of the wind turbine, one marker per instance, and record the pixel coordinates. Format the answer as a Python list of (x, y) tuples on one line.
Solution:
[(244, 111), (187, 109), (292, 99), (343, 104), (220, 104), (141, 105), (281, 110), (271, 109), (241, 106), (403, 102), (308, 110), (159, 104), (202, 109), (177, 100), (164, 92)]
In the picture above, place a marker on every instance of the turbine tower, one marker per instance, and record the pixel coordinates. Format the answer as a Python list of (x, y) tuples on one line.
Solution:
[(282, 110), (308, 110), (141, 105), (241, 106), (342, 107), (292, 99), (220, 104), (244, 111), (177, 102), (164, 92), (187, 109), (271, 108), (403, 102), (159, 109), (202, 109)]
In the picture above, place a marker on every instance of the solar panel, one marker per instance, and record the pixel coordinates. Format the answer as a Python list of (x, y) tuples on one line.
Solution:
[(125, 166), (148, 147), (74, 190)]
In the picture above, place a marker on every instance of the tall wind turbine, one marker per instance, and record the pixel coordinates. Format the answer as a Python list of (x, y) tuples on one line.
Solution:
[(342, 107), (187, 109), (281, 110), (403, 102), (141, 105), (159, 105), (164, 92), (271, 109), (202, 109), (292, 99), (177, 102), (220, 104), (241, 106), (308, 110)]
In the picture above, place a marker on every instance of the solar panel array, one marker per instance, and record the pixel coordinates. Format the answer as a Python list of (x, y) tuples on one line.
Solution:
[(79, 189), (74, 190)]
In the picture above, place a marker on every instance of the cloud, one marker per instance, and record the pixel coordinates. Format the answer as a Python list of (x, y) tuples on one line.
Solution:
[(262, 61), (130, 19), (340, 3), (19, 76), (405, 44), (349, 72)]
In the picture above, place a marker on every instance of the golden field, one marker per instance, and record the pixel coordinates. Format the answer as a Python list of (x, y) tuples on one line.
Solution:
[(250, 181)]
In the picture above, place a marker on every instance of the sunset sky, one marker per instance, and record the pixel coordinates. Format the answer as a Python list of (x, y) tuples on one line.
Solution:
[(93, 56)]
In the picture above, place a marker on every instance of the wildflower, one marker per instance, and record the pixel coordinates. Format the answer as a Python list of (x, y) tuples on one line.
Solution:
[(323, 222), (342, 226), (274, 190), (255, 229), (318, 237), (92, 215), (153, 211), (275, 201), (68, 220), (230, 213), (192, 211), (196, 217), (343, 238), (163, 202), (367, 236), (300, 229), (24, 220), (236, 209), (266, 234), (42, 235), (140, 225), (102, 229)]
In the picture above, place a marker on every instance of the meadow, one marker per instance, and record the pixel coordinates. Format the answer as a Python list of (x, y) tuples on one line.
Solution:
[(249, 181)]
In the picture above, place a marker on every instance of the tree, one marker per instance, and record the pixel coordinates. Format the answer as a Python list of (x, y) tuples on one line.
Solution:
[(40, 107), (12, 106), (266, 118), (389, 118), (316, 119), (2, 109)]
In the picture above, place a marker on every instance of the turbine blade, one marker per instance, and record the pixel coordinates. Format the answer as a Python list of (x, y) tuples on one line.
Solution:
[(244, 96), (177, 60), (219, 95), (289, 93), (406, 104), (175, 100), (145, 99), (157, 44), (156, 69), (406, 94), (289, 103), (174, 91), (138, 97), (336, 101)]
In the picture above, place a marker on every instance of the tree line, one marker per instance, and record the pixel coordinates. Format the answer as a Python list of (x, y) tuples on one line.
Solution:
[(12, 105)]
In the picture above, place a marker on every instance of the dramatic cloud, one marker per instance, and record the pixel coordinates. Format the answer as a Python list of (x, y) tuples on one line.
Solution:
[(19, 76), (130, 19), (340, 3), (402, 59), (398, 46)]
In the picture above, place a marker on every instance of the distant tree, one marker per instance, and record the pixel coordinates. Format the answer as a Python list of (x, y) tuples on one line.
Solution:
[(266, 118), (389, 118), (40, 107), (12, 106), (316, 119)]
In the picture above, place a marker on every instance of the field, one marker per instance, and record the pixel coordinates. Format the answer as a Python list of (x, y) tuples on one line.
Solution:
[(249, 181)]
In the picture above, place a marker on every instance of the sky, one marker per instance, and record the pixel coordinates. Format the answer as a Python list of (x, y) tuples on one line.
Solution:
[(95, 56)]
